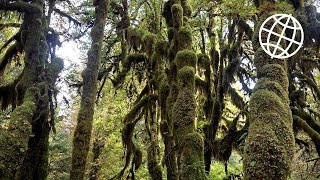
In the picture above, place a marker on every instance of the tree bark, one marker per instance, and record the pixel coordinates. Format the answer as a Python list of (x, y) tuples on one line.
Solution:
[(82, 134), (270, 140)]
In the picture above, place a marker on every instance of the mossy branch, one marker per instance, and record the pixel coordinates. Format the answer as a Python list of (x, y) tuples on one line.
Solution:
[(10, 53), (131, 148), (307, 117), (15, 25), (70, 18), (144, 91), (200, 83), (314, 135), (16, 36), (8, 94), (236, 99), (137, 107), (309, 81), (19, 6), (132, 58)]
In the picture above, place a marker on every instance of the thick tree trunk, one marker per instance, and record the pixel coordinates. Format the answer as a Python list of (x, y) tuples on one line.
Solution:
[(82, 134), (270, 140), (30, 117), (178, 121)]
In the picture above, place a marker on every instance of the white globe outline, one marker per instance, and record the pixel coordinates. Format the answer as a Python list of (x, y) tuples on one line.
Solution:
[(281, 36)]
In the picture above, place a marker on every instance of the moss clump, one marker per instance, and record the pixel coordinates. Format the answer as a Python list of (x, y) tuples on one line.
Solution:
[(134, 37), (267, 101), (268, 158), (164, 87), (261, 58), (177, 16), (203, 61), (270, 141), (162, 48), (183, 112), (274, 72), (180, 131), (195, 142), (135, 58), (192, 157), (149, 42), (171, 33), (185, 38), (54, 68), (267, 84), (186, 77), (187, 10), (186, 58)]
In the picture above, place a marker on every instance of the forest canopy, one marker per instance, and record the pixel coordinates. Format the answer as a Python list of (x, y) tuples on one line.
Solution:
[(158, 89)]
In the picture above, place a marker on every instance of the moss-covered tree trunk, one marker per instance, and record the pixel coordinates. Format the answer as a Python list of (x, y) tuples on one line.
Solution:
[(82, 134), (29, 132), (181, 101), (270, 141)]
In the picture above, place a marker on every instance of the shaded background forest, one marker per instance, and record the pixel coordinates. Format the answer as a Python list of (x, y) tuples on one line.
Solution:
[(145, 81)]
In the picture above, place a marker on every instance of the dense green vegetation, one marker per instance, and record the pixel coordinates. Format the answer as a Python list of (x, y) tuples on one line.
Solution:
[(162, 89)]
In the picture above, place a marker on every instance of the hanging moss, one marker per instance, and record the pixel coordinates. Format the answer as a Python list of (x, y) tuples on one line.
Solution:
[(167, 12), (184, 38), (135, 58), (177, 16), (203, 61), (161, 48), (14, 141), (54, 68), (171, 33), (153, 166), (187, 10), (186, 77), (164, 87), (7, 94), (149, 42), (186, 58), (186, 21), (236, 99), (134, 36)]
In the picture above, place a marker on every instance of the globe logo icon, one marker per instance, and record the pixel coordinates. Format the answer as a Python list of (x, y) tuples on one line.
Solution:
[(285, 22)]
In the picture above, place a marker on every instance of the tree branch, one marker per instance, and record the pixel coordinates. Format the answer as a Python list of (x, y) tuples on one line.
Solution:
[(314, 135), (305, 116), (19, 6), (10, 53), (309, 81), (9, 41), (2, 26), (61, 13)]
